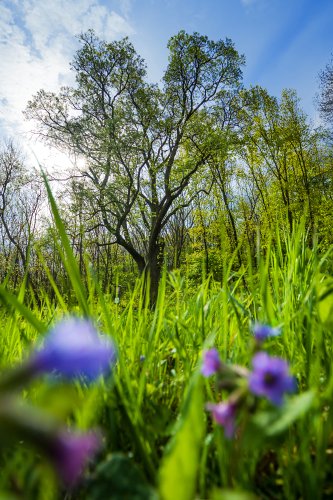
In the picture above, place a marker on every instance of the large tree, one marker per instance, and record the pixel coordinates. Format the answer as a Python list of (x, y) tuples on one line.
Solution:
[(143, 144), (325, 97)]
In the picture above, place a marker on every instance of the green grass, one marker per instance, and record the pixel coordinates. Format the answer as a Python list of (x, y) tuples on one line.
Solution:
[(158, 439)]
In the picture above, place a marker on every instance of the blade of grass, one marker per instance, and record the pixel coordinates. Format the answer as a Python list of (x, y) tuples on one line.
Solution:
[(67, 255)]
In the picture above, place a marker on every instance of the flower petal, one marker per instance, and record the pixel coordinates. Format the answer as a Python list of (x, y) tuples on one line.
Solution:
[(211, 362), (73, 348)]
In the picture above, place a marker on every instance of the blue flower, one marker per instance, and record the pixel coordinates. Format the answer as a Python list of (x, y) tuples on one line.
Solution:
[(73, 348), (211, 362), (270, 378), (262, 332), (224, 414)]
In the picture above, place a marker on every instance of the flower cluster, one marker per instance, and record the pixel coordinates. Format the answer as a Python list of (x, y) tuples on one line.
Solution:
[(72, 349), (269, 378)]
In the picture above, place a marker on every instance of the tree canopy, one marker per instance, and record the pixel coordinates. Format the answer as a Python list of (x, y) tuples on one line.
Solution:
[(325, 97)]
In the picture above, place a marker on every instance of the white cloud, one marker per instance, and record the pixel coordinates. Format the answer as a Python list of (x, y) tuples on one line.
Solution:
[(37, 42), (53, 22), (125, 7)]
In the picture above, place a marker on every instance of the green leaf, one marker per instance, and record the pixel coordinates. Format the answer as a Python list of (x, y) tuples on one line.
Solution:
[(178, 472), (227, 494), (325, 307), (277, 421), (119, 478)]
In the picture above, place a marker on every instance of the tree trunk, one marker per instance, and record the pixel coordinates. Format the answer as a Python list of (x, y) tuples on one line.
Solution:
[(154, 268)]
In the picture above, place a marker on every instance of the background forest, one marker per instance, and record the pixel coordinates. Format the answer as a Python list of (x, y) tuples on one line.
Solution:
[(194, 210)]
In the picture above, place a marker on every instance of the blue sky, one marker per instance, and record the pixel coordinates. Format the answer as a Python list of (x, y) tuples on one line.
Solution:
[(285, 42)]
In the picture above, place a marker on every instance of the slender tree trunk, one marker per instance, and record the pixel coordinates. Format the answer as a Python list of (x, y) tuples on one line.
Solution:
[(154, 268)]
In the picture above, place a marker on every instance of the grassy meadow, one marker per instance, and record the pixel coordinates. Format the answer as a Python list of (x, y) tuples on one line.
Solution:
[(158, 439)]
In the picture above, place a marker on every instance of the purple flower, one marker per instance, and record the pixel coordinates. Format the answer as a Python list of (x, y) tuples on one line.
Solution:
[(71, 452), (67, 451), (224, 414), (262, 332), (73, 348), (270, 378), (211, 362)]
